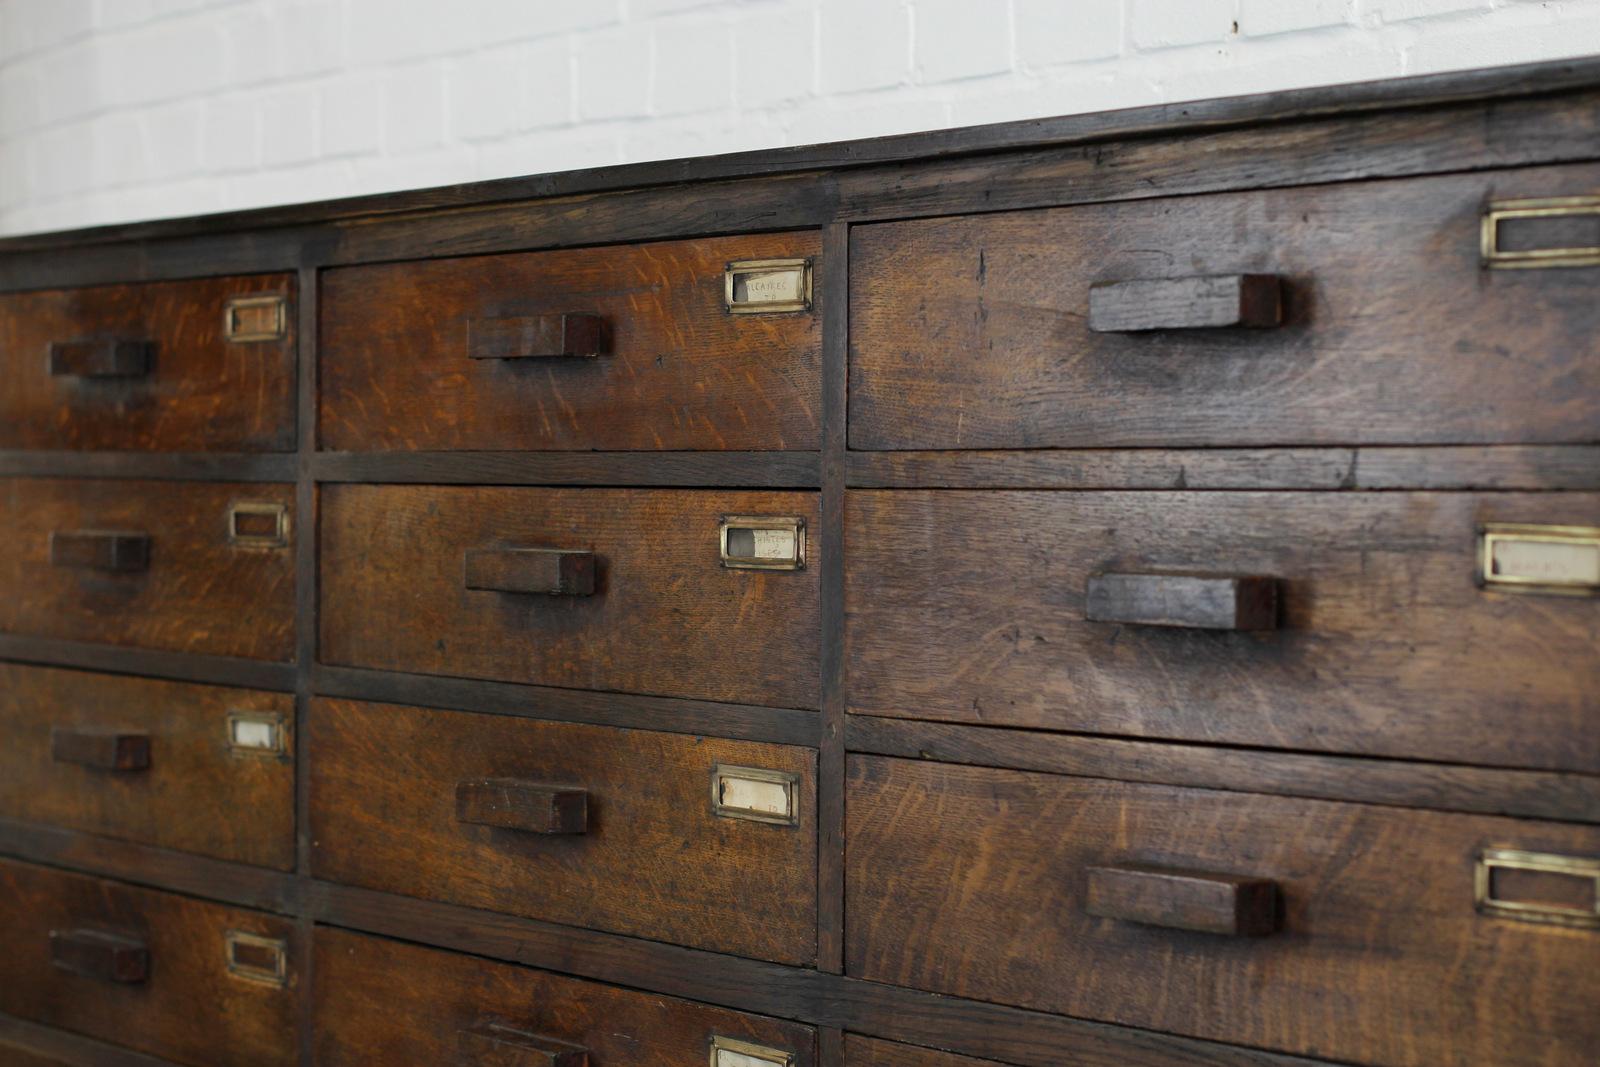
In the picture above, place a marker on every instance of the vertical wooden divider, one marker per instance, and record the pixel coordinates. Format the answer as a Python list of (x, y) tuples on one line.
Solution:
[(305, 621)]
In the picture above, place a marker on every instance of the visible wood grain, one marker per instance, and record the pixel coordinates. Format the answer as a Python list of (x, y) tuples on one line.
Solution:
[(122, 552), (681, 373), (25, 1044), (560, 335), (870, 1052), (242, 1024), (1197, 901), (654, 862), (1206, 302), (516, 804), (199, 594), (494, 1045), (102, 955), (1382, 958), (193, 795), (121, 751), (385, 1002), (181, 666), (142, 367), (1194, 601), (1386, 647), (997, 355), (727, 470), (546, 571), (666, 619)]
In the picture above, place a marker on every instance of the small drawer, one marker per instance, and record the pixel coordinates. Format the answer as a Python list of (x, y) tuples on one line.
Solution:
[(670, 592), (191, 366), (870, 1052), (1358, 933), (681, 345), (196, 768), (1359, 623), (172, 976), (381, 1001), (178, 566), (674, 837), (1361, 313)]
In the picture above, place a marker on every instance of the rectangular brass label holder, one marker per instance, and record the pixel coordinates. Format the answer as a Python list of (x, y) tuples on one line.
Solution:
[(755, 794), (755, 286), (763, 542), (1503, 859), (253, 958), (731, 1052), (1501, 211), (1525, 558), (255, 318), (256, 733), (253, 524)]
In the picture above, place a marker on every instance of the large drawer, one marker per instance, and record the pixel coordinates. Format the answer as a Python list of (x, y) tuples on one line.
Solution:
[(204, 365), (988, 332), (382, 1002), (630, 347), (673, 837), (179, 566), (610, 589), (976, 607), (195, 983), (197, 768), (1343, 931)]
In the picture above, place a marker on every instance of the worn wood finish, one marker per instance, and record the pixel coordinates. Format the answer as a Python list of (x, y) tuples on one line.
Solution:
[(666, 619), (199, 593), (968, 607), (870, 1052), (244, 1024), (654, 860), (1190, 601), (193, 794), (547, 571), (1207, 302), (1197, 901), (994, 354), (1382, 957), (727, 470), (384, 1002), (518, 804), (680, 373), (143, 367), (25, 1044)]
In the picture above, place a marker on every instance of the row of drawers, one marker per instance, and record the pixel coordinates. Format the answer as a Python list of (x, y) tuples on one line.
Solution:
[(1260, 318), (1382, 623), (1357, 932)]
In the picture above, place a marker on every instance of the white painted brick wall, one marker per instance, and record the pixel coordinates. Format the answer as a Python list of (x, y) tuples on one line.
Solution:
[(113, 110)]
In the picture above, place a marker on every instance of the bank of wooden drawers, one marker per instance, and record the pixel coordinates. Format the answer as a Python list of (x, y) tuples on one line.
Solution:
[(458, 807), (627, 348), (184, 366), (192, 982), (976, 882), (195, 768), (661, 614), (385, 1002), (976, 332)]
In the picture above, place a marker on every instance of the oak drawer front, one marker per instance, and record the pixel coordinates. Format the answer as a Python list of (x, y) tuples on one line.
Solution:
[(379, 1001), (611, 589), (627, 348), (179, 566), (192, 982), (196, 768), (189, 366), (629, 830), (871, 1052), (988, 332), (1342, 930), (1024, 609)]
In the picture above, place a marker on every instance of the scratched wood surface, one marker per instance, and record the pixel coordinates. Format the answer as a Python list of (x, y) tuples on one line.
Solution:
[(681, 373), (870, 1052)]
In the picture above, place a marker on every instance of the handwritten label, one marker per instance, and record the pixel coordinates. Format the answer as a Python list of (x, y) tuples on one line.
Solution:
[(1575, 563)]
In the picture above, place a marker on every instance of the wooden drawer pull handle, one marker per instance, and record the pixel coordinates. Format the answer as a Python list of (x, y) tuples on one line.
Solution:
[(1197, 601), (549, 571), (107, 957), (493, 1045), (516, 804), (102, 751), (120, 551), (557, 336), (100, 359), (1184, 900), (1209, 302)]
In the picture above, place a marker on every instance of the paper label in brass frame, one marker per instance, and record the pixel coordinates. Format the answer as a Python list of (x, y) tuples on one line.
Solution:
[(255, 318), (731, 1052), (1500, 211), (1493, 859), (253, 958), (1529, 558), (256, 733), (762, 542), (755, 794), (761, 286)]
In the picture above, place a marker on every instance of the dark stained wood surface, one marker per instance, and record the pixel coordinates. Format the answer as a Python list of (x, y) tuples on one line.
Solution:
[(969, 332), (25, 1044), (398, 369), (189, 1010), (968, 607), (870, 1052), (1206, 302), (199, 594), (1199, 901), (382, 1002), (653, 861), (666, 618), (199, 392), (1191, 601), (194, 795), (972, 882)]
